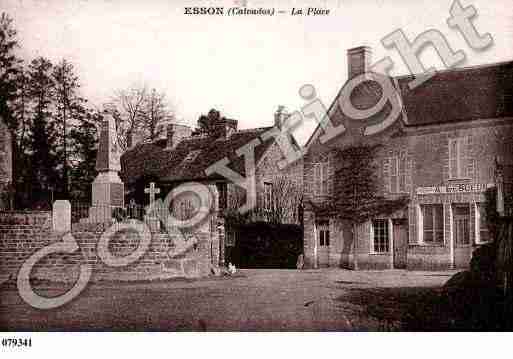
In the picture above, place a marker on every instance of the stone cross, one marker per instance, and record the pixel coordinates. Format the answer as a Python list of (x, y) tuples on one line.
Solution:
[(152, 191)]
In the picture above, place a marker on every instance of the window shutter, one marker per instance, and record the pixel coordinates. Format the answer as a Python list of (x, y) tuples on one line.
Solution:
[(408, 175), (469, 160), (453, 158), (413, 237), (317, 178), (386, 173), (324, 177), (394, 175), (402, 173)]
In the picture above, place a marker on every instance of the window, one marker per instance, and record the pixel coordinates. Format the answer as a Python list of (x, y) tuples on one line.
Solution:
[(380, 233), (458, 159), (323, 229), (268, 196), (482, 230), (432, 223), (397, 173), (321, 178)]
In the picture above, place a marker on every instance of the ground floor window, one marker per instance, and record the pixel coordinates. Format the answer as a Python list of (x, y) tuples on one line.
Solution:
[(432, 223), (323, 231), (380, 234)]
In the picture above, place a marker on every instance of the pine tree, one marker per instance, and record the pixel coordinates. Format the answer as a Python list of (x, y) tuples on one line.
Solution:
[(43, 134), (9, 68), (70, 112), (83, 146), (21, 114)]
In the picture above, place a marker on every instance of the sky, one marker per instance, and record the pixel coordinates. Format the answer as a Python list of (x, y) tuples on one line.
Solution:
[(243, 66)]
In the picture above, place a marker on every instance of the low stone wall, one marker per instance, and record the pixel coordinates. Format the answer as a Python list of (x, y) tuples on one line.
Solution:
[(35, 219), (19, 241)]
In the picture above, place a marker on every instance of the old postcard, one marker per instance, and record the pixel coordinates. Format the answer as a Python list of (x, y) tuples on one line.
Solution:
[(255, 166)]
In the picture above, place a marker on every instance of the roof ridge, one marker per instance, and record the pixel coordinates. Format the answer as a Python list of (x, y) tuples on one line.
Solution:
[(458, 69), (254, 129)]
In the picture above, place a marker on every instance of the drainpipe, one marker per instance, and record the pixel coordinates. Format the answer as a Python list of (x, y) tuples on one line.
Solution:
[(451, 238), (355, 246), (391, 243)]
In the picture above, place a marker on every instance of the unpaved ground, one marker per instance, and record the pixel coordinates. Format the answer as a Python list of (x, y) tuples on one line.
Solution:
[(328, 299)]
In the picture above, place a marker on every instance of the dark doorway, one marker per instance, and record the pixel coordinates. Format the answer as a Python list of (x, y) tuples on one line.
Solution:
[(400, 236), (265, 245)]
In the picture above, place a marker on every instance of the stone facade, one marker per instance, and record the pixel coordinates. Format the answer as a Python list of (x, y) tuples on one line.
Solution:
[(426, 154), (441, 154)]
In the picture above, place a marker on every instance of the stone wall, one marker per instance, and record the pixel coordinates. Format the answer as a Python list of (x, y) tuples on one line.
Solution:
[(23, 234), (426, 155), (269, 171)]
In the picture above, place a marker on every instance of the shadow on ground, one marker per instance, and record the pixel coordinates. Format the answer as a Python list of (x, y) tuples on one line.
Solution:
[(430, 308)]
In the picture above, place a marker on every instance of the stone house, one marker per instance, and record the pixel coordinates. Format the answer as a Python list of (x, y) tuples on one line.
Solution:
[(441, 154), (185, 154)]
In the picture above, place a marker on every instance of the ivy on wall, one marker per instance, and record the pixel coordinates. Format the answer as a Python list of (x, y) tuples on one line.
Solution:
[(357, 189)]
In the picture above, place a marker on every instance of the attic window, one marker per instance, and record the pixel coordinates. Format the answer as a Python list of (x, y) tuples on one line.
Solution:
[(191, 156)]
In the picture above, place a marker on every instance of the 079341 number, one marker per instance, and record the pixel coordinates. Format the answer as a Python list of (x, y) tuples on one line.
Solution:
[(16, 342)]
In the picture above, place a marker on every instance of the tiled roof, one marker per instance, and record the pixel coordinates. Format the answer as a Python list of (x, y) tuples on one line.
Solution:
[(453, 95), (189, 159)]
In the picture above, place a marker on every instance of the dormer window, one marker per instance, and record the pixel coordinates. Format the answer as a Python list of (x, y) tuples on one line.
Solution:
[(191, 156)]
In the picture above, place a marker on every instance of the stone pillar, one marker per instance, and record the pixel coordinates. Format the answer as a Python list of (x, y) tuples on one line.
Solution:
[(61, 216), (217, 228), (107, 189), (221, 234)]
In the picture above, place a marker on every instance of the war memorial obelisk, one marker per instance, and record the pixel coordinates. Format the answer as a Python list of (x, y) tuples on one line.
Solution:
[(107, 188)]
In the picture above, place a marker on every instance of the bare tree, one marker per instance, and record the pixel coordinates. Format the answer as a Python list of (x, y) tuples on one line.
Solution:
[(156, 112), (129, 114), (139, 114), (284, 206)]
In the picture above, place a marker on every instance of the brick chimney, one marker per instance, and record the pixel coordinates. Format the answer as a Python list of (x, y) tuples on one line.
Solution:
[(224, 127), (279, 116), (176, 133), (358, 61)]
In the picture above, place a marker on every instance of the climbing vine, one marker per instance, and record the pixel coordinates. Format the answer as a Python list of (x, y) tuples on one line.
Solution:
[(357, 193)]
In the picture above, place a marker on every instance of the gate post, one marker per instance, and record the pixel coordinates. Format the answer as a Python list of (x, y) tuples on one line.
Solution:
[(61, 216)]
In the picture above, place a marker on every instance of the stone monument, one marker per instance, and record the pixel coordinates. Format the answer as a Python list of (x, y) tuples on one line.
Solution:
[(151, 218), (107, 189)]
